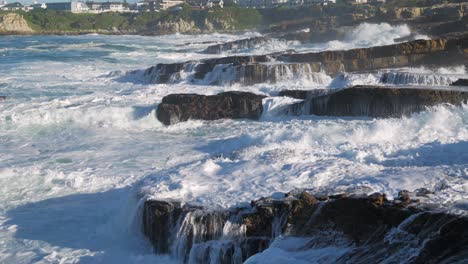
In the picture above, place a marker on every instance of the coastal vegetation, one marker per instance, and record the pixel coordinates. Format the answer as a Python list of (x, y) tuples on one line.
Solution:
[(61, 21), (186, 19)]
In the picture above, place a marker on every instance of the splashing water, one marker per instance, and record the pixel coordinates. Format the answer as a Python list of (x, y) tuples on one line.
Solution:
[(79, 150)]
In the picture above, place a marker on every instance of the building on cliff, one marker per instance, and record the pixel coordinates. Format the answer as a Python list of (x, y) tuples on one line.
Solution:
[(155, 5), (74, 6), (39, 5), (12, 7), (215, 3), (280, 3), (102, 7)]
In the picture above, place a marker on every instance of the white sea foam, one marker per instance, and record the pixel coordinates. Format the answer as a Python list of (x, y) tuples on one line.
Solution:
[(367, 34), (78, 150)]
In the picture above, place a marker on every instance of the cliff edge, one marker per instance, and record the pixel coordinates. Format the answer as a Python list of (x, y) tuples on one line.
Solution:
[(14, 23)]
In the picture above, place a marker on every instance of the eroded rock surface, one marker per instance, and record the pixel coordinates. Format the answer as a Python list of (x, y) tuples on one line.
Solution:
[(176, 108), (14, 23), (375, 101), (374, 228), (248, 70), (237, 44)]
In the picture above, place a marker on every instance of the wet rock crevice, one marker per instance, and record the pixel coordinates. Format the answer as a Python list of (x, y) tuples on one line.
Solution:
[(371, 227)]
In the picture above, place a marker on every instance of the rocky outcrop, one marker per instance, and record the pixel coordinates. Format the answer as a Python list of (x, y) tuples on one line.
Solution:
[(223, 24), (249, 70), (304, 94), (413, 78), (237, 45), (460, 82), (14, 23), (176, 108), (375, 101), (375, 228), (408, 54), (179, 26), (370, 101)]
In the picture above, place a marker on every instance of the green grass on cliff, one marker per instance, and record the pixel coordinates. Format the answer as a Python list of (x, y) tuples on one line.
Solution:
[(61, 21), (229, 18)]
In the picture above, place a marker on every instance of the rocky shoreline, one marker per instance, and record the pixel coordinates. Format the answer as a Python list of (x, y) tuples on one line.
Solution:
[(372, 227), (308, 24), (249, 70), (360, 101)]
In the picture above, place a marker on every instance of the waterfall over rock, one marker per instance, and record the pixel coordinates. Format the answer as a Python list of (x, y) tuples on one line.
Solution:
[(237, 45), (316, 66), (375, 101), (409, 78), (365, 227), (195, 235)]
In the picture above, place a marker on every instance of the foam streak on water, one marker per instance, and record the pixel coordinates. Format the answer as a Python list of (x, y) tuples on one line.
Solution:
[(79, 149)]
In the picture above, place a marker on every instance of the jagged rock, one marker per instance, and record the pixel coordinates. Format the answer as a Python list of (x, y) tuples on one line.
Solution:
[(376, 228), (423, 192), (260, 222), (158, 221), (413, 53), (14, 23), (176, 108), (253, 69), (237, 44), (450, 243), (460, 82), (302, 208), (375, 101), (179, 26)]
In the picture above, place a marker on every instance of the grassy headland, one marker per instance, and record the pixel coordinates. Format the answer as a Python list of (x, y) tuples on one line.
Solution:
[(418, 13)]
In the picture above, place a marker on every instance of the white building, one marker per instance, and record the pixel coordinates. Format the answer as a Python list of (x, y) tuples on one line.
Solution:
[(141, 6), (74, 7), (3, 3), (12, 7), (37, 5), (215, 3), (155, 5), (101, 7), (277, 3)]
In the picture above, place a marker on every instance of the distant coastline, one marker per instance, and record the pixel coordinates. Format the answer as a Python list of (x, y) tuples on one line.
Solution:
[(304, 23)]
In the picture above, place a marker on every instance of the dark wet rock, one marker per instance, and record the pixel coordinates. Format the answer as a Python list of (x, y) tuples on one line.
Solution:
[(376, 101), (260, 222), (423, 192), (449, 243), (247, 43), (302, 208), (252, 69), (158, 221), (377, 229), (460, 82), (304, 94), (176, 108), (193, 234)]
